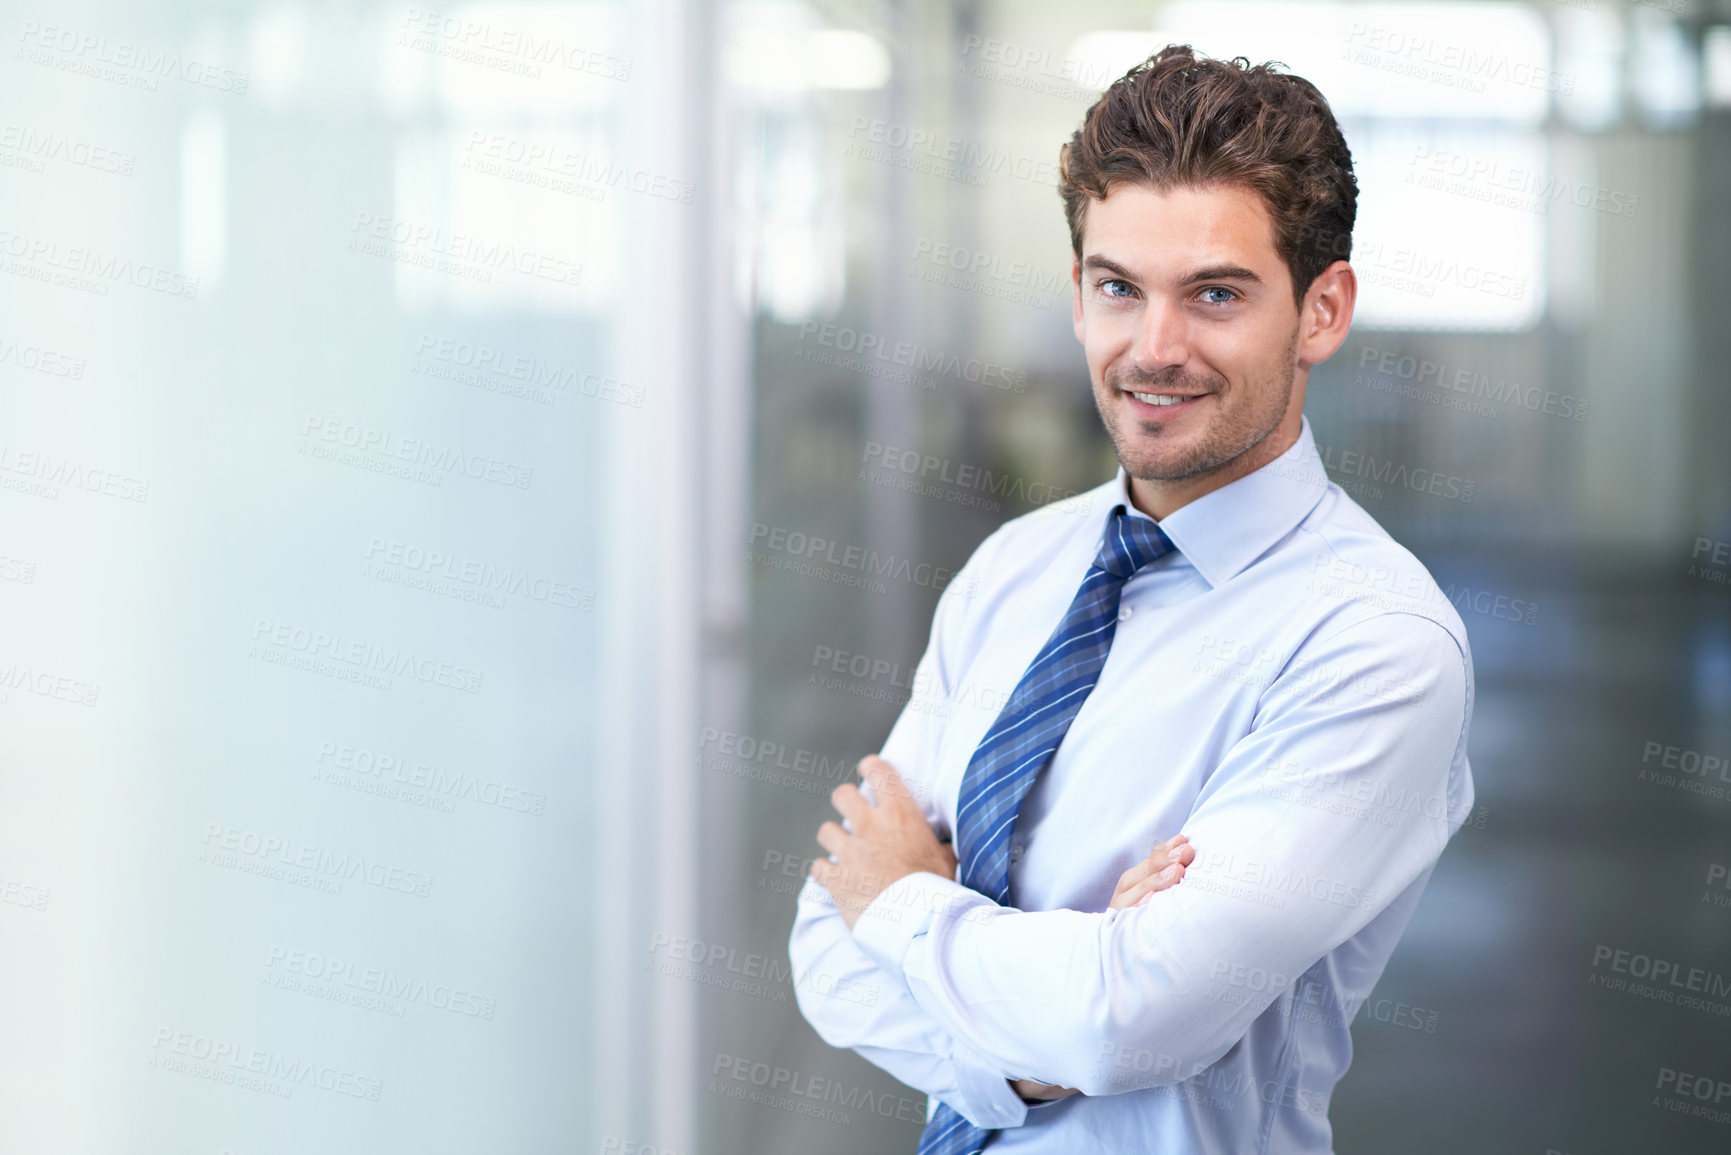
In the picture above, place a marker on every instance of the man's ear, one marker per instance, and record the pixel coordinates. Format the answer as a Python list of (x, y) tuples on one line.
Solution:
[(1327, 313), (1076, 297)]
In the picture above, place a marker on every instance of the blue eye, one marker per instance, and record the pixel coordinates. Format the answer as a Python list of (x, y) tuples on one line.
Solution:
[(1105, 287), (1230, 295)]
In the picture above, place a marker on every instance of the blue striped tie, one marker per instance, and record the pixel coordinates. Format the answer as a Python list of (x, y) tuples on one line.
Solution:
[(1022, 740)]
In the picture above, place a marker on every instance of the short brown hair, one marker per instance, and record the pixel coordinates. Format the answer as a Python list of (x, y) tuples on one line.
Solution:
[(1182, 119)]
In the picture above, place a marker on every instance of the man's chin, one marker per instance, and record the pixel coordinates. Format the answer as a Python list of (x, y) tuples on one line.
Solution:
[(1168, 463), (1167, 458), (1144, 472)]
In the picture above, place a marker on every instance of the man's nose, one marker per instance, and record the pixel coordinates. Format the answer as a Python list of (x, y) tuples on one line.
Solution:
[(1162, 336)]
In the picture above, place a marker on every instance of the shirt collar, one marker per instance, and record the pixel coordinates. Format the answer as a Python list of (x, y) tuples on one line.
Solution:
[(1225, 530)]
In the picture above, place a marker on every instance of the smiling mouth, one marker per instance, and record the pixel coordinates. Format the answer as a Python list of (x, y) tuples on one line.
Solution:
[(1161, 399)]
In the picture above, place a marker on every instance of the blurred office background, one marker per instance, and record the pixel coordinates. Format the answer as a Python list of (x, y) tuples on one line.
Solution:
[(420, 676)]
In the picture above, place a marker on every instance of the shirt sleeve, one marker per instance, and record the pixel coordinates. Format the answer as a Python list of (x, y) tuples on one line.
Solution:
[(850, 1002), (1379, 711), (845, 996)]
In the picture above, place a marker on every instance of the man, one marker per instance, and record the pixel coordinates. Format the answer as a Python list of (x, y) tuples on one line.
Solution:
[(1198, 737)]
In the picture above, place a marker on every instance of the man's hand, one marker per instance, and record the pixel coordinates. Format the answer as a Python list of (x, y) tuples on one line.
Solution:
[(1040, 1092), (889, 841), (1163, 867)]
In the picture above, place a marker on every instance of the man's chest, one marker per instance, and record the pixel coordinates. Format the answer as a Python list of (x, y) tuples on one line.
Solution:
[(1181, 685)]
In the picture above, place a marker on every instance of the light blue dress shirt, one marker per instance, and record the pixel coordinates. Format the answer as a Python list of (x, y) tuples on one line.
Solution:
[(1291, 690)]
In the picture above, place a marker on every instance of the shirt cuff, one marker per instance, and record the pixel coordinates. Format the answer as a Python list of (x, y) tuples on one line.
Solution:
[(886, 930), (903, 911), (991, 1102)]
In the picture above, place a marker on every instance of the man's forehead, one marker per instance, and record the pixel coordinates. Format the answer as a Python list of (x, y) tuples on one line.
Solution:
[(1138, 227)]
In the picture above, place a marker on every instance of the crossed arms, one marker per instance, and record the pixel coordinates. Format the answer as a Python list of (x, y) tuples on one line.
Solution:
[(971, 996)]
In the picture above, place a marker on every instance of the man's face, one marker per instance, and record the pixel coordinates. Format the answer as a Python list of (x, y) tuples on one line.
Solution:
[(1185, 311)]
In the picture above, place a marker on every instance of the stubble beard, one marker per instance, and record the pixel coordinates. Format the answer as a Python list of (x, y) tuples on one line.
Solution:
[(1229, 437)]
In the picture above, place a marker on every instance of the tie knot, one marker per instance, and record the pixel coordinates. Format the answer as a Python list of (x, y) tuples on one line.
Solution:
[(1130, 543)]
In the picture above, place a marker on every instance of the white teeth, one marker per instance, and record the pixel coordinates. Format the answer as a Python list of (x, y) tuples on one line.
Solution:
[(1157, 399)]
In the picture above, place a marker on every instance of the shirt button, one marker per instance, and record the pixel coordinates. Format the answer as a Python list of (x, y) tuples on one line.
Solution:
[(1124, 614), (1015, 852)]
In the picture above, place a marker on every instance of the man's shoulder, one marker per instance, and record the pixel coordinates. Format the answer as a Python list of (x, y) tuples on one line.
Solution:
[(1351, 566)]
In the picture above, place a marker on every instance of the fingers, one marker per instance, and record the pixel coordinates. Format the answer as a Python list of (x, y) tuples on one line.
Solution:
[(1034, 1089), (880, 778), (1159, 858), (1150, 886), (852, 804), (1171, 862), (1163, 879), (888, 792), (887, 785), (831, 837)]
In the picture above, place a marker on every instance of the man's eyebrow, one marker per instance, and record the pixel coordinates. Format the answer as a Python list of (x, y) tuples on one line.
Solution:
[(1222, 273), (1212, 273), (1096, 261)]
